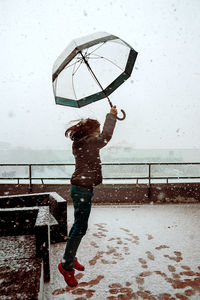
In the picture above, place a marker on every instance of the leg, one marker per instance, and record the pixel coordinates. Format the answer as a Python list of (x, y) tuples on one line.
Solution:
[(82, 206)]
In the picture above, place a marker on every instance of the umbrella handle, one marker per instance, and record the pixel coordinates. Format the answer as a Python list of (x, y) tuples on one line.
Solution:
[(123, 112), (123, 117)]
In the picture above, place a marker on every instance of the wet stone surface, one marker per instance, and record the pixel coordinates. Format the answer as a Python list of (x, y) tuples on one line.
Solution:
[(20, 278), (17, 247), (20, 270)]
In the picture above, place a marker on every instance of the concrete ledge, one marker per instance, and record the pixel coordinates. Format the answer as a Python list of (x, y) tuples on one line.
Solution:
[(17, 221), (29, 221), (42, 215), (55, 203)]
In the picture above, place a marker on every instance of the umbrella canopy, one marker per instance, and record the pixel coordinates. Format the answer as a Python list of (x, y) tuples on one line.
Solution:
[(91, 68)]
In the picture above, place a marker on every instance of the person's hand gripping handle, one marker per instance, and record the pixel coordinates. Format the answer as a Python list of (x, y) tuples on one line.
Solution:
[(113, 111)]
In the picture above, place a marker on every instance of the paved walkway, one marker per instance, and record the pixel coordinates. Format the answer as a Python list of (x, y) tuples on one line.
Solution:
[(135, 252)]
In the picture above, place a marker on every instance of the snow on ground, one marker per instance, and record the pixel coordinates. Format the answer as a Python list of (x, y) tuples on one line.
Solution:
[(134, 252)]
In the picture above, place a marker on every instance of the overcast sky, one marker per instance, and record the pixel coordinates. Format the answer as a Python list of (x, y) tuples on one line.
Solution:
[(161, 99)]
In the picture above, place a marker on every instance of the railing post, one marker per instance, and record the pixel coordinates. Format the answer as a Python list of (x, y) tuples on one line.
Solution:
[(149, 184), (30, 178)]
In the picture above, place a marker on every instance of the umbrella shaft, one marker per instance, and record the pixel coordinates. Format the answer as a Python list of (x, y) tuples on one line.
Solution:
[(87, 64)]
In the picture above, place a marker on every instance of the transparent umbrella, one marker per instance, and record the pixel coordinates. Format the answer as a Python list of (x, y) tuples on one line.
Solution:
[(91, 68)]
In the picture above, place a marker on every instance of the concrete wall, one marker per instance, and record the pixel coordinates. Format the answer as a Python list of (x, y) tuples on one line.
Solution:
[(118, 193)]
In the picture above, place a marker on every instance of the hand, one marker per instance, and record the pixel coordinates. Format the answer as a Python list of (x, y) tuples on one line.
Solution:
[(113, 110)]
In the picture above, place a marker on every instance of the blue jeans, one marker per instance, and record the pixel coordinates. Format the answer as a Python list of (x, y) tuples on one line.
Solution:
[(81, 197)]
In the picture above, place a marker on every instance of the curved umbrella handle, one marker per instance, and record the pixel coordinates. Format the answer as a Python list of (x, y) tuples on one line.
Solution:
[(123, 112), (123, 117)]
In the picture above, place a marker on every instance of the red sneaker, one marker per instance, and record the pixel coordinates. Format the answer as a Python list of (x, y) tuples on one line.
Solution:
[(78, 266), (68, 276)]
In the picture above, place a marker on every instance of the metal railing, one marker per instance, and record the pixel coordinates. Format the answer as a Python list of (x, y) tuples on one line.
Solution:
[(148, 177)]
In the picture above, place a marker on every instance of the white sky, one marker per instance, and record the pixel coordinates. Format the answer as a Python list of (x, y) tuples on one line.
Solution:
[(161, 99)]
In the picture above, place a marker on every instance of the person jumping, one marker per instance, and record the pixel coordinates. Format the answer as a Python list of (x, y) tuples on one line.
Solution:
[(87, 142)]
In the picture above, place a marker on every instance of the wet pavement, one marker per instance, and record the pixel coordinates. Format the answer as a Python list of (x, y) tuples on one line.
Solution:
[(134, 252)]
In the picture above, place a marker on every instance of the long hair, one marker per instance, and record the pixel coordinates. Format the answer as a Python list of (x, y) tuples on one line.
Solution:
[(82, 128)]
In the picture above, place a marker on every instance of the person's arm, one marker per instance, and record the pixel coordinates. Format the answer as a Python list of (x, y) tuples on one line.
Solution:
[(108, 128)]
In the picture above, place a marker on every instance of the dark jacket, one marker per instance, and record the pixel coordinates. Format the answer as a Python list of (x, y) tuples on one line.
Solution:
[(86, 152)]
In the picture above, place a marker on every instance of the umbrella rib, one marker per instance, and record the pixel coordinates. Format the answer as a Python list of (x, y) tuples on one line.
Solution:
[(54, 90), (98, 57), (73, 73), (86, 52), (96, 48), (78, 59), (81, 61), (73, 86)]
